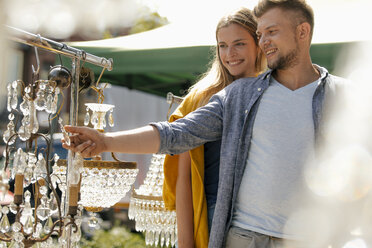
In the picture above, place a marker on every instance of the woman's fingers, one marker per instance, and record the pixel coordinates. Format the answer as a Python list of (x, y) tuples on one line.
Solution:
[(82, 146), (89, 151), (81, 131), (73, 129), (76, 139), (86, 149), (71, 147), (82, 140)]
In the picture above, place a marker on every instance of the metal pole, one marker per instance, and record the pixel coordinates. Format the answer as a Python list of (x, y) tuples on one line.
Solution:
[(74, 108), (57, 47)]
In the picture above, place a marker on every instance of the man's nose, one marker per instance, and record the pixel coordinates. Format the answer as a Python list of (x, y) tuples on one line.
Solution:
[(263, 41)]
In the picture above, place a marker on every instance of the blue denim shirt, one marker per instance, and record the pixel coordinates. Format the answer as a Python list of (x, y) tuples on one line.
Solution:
[(229, 116)]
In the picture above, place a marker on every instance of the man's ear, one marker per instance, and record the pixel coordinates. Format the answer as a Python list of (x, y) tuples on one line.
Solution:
[(303, 31)]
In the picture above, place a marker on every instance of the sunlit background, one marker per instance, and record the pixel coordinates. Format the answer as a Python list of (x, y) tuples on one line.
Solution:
[(341, 180), (335, 20)]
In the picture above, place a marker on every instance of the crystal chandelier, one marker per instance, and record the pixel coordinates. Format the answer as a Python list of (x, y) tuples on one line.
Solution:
[(98, 118), (147, 208), (37, 212), (93, 184), (37, 219), (103, 183)]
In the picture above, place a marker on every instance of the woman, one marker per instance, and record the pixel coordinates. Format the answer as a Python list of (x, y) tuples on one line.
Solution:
[(191, 178)]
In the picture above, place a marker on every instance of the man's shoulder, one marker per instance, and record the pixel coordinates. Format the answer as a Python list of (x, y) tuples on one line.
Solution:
[(245, 84), (329, 78), (337, 80), (336, 83)]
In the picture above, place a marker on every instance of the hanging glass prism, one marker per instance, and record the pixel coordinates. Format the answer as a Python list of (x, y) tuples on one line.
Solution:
[(87, 117), (111, 119)]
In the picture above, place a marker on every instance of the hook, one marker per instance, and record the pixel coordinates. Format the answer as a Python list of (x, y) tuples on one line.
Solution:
[(83, 56), (37, 59), (60, 59), (38, 63)]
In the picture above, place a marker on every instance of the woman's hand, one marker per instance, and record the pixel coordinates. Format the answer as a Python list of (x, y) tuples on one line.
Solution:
[(88, 141)]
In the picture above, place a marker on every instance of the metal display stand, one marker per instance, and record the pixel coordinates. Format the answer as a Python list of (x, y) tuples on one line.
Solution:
[(76, 56)]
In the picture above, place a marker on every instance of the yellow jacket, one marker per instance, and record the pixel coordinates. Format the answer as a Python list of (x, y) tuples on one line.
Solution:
[(201, 235)]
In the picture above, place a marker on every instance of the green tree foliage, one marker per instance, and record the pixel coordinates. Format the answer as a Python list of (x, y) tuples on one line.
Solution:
[(148, 22), (116, 237)]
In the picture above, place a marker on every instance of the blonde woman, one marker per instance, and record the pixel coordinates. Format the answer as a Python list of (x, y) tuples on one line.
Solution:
[(191, 178)]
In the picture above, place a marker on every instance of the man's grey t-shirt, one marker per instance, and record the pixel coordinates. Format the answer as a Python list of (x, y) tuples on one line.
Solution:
[(282, 139)]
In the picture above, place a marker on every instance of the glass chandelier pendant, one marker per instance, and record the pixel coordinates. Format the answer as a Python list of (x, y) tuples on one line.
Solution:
[(40, 171), (55, 100), (49, 103), (103, 121), (51, 99), (24, 132), (27, 228), (94, 119), (111, 118), (59, 179), (87, 117), (4, 223), (27, 212), (9, 99), (65, 134), (93, 220), (29, 172), (40, 101), (43, 211), (19, 162), (24, 106), (34, 123), (4, 186), (14, 98), (9, 132), (48, 226), (53, 204)]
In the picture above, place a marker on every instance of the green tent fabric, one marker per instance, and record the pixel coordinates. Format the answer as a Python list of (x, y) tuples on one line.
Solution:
[(155, 71), (167, 60)]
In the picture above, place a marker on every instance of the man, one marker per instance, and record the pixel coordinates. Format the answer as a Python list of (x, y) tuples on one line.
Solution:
[(268, 127)]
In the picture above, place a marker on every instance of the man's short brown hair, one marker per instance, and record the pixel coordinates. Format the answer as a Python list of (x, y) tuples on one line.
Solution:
[(303, 12)]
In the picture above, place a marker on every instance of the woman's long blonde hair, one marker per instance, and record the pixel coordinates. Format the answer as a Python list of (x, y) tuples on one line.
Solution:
[(218, 77)]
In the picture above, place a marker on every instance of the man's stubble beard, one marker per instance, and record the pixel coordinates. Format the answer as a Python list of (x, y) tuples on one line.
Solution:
[(287, 61)]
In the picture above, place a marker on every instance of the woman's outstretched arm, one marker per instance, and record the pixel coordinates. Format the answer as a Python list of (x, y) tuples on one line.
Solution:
[(89, 142)]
